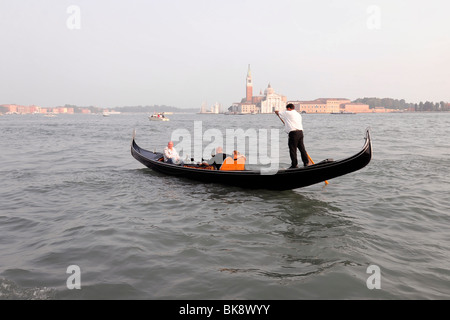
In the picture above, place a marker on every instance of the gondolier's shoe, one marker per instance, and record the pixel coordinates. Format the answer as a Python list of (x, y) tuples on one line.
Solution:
[(291, 167)]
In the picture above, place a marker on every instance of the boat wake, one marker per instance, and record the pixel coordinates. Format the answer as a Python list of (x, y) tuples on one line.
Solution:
[(11, 291)]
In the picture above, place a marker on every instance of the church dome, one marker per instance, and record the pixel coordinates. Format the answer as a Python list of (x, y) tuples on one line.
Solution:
[(269, 90)]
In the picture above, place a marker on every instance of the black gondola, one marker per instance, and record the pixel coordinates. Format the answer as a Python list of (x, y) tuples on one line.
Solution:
[(283, 179)]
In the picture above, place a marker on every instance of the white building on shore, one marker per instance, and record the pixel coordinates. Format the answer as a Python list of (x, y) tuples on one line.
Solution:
[(264, 103), (215, 108), (272, 101)]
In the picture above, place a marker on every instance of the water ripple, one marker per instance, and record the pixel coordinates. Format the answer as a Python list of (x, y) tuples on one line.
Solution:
[(72, 194)]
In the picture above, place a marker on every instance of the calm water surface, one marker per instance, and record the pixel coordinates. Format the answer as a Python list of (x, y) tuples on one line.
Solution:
[(72, 194)]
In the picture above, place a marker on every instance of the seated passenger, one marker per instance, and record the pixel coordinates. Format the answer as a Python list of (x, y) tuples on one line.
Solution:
[(237, 155), (237, 162), (218, 158), (171, 155)]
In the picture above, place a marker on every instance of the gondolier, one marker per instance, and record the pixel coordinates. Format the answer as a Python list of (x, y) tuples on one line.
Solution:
[(294, 128)]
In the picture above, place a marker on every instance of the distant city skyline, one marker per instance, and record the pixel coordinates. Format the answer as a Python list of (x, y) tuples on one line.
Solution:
[(182, 53)]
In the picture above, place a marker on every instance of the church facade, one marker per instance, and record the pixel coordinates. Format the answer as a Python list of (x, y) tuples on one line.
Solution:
[(264, 103)]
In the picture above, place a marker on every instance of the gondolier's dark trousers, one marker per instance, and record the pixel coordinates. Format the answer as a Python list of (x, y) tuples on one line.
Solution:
[(296, 142)]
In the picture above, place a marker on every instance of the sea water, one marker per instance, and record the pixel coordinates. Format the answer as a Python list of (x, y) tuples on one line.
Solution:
[(72, 195)]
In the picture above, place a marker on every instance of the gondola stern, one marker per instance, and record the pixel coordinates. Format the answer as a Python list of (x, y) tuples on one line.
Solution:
[(369, 142)]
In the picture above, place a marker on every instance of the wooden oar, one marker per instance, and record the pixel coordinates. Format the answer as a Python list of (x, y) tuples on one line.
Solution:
[(326, 182)]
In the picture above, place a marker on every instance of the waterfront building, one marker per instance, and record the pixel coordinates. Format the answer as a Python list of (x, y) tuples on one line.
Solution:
[(18, 109), (243, 108), (215, 108), (355, 107), (263, 103), (272, 101), (321, 105)]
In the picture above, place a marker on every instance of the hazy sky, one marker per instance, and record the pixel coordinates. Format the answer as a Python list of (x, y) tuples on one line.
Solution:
[(181, 53)]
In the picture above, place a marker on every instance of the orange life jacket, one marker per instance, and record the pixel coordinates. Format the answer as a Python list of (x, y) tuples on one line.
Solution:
[(230, 164)]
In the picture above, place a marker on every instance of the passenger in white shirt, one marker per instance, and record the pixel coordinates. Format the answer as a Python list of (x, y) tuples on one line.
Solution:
[(294, 128), (171, 155)]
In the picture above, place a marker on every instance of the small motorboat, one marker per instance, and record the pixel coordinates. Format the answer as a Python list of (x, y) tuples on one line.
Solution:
[(158, 117)]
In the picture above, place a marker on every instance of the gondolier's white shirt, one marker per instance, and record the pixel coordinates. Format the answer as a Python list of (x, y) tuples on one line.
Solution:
[(171, 154), (292, 120)]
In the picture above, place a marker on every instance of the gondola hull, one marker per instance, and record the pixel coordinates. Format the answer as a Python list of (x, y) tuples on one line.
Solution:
[(283, 179)]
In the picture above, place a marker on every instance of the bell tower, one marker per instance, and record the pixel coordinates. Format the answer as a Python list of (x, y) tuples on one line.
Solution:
[(249, 83)]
